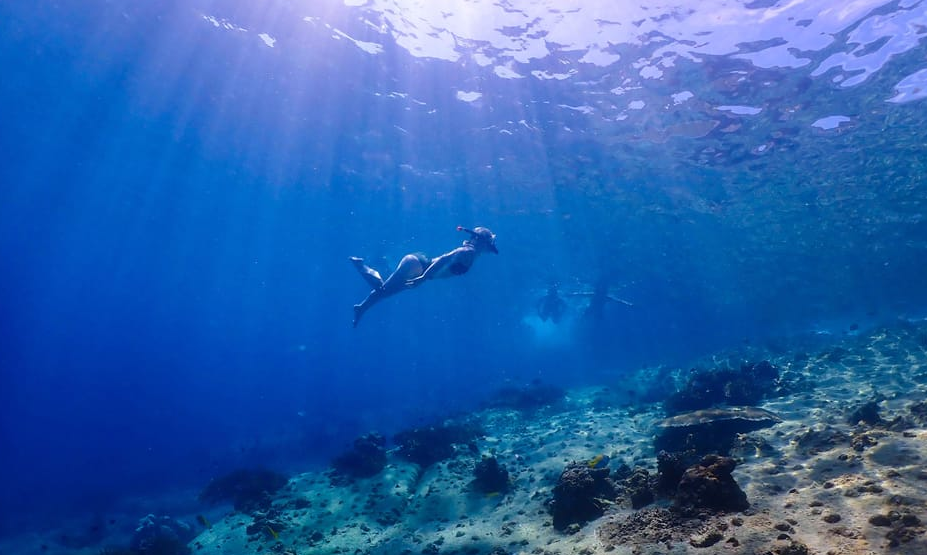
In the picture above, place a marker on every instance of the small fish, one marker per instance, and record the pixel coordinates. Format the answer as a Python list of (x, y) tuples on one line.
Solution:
[(203, 521), (492, 494), (598, 461), (273, 532)]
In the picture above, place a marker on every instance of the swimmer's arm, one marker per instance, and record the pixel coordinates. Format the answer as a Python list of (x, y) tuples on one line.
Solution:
[(617, 300)]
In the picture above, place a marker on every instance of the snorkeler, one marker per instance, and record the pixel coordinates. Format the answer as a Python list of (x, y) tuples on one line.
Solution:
[(415, 268), (598, 298), (551, 306)]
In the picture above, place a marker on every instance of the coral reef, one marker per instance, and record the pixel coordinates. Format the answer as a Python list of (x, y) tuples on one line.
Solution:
[(426, 446), (709, 431), (636, 486), (725, 386), (365, 459), (581, 495), (247, 489)]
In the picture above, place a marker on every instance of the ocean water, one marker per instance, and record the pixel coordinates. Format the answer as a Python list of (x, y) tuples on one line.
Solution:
[(182, 185)]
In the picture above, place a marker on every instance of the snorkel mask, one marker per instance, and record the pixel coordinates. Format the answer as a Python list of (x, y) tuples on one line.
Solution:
[(481, 237)]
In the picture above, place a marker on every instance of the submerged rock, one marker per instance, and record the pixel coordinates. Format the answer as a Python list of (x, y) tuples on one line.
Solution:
[(867, 413), (581, 494), (792, 548), (866, 439), (367, 458), (426, 446), (162, 535), (817, 440), (490, 476), (919, 412), (706, 539), (709, 485), (710, 431), (247, 489), (905, 527), (750, 447)]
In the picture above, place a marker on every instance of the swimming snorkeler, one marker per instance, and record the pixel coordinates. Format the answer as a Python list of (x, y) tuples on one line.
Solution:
[(598, 298), (415, 269), (551, 306)]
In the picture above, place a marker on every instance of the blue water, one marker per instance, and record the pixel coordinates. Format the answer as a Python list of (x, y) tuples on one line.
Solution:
[(182, 183)]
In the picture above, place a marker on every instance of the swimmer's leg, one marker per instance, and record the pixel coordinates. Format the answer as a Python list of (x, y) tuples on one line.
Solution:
[(409, 267), (371, 276), (373, 298)]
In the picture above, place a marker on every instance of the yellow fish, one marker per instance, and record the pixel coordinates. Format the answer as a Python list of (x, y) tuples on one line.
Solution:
[(203, 521), (273, 532), (598, 461)]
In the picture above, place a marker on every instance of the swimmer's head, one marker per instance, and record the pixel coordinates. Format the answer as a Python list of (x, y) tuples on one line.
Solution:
[(481, 238)]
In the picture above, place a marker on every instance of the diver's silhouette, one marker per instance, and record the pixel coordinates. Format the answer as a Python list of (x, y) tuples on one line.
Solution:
[(551, 306)]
